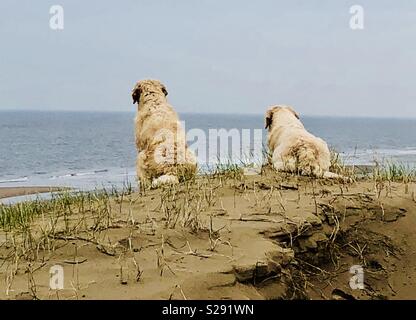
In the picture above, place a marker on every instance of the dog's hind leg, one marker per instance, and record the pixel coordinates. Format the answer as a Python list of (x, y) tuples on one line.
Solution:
[(283, 163), (278, 165)]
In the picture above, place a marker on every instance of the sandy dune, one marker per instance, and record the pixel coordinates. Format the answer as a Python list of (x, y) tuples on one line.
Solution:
[(249, 237)]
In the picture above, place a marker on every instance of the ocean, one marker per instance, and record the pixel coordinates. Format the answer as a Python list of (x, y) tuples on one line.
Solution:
[(91, 149)]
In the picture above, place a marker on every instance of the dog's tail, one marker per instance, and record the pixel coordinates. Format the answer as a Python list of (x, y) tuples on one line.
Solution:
[(166, 179)]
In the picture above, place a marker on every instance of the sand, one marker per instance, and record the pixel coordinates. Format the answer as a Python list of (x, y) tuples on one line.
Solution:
[(270, 236), (6, 192)]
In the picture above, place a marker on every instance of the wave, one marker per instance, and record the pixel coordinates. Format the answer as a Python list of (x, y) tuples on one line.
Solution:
[(376, 151), (24, 179), (80, 174)]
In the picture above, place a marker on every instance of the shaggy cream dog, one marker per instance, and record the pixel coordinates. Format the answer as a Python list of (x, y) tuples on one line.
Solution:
[(293, 148), (164, 157)]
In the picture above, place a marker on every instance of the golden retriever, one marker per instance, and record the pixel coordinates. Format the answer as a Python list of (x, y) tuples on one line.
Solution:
[(164, 157), (293, 148)]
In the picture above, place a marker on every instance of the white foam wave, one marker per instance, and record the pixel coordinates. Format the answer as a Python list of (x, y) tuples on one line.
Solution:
[(24, 179)]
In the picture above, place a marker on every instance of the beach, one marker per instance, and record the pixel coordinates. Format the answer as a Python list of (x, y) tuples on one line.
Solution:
[(222, 236), (8, 192), (218, 151)]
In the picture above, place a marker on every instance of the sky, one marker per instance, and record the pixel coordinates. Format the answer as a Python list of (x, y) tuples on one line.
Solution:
[(214, 56)]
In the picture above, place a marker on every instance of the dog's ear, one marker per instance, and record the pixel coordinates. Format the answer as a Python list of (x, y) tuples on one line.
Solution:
[(294, 112), (136, 94), (164, 90), (269, 118)]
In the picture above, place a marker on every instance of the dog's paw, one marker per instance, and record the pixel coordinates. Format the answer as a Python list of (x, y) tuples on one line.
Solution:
[(164, 180)]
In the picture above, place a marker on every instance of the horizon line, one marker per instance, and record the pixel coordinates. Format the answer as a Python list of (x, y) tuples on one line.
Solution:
[(214, 113)]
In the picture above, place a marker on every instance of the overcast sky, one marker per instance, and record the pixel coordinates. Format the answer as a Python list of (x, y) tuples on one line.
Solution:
[(229, 56)]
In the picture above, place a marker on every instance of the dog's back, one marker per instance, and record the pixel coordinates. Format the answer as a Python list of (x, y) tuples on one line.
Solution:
[(164, 157), (310, 157), (293, 148)]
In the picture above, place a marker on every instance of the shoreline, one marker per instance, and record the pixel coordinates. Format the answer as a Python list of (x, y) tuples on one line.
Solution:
[(9, 192), (23, 190)]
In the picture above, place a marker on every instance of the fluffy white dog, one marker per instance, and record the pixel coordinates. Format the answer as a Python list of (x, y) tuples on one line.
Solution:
[(164, 157), (293, 148)]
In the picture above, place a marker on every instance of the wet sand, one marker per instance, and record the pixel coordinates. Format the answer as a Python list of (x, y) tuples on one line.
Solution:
[(7, 192)]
